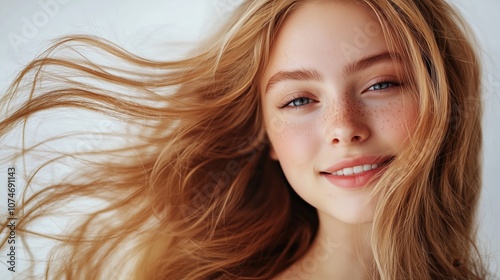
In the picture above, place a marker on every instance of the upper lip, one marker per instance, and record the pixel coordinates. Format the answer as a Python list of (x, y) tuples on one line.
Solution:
[(351, 162)]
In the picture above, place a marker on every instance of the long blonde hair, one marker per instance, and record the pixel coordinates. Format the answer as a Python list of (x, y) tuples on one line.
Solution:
[(204, 200)]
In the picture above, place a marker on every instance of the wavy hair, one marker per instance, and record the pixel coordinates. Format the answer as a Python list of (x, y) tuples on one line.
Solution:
[(195, 195)]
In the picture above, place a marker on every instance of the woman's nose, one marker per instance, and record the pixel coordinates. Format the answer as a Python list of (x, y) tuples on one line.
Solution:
[(345, 123)]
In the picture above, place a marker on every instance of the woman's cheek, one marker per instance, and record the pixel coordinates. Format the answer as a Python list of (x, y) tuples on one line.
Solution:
[(293, 140), (396, 120)]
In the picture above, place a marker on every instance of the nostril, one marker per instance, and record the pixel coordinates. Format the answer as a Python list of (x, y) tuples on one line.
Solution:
[(336, 141), (356, 139)]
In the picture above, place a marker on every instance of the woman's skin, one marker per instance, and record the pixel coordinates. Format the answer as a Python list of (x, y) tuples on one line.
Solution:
[(332, 99)]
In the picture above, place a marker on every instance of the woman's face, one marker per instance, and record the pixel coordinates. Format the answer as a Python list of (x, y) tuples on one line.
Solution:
[(334, 106)]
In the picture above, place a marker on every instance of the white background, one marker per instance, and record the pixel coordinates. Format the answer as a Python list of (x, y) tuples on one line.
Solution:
[(146, 27)]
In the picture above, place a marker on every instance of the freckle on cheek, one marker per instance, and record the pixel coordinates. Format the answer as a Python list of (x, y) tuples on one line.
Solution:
[(362, 113)]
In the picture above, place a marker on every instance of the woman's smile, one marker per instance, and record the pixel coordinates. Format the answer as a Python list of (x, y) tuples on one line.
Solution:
[(358, 173), (346, 116)]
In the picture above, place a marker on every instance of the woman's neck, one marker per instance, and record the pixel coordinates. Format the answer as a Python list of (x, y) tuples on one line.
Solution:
[(339, 251)]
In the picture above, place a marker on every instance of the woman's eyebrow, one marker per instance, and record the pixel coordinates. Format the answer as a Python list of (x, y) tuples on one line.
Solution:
[(368, 61), (311, 74), (299, 75)]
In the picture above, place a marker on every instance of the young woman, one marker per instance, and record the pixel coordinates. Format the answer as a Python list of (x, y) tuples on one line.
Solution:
[(307, 140)]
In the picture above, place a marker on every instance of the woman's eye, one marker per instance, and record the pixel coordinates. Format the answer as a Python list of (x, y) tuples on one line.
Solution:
[(301, 101), (382, 85)]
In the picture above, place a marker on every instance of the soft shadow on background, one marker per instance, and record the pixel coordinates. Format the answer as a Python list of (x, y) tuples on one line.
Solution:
[(147, 27)]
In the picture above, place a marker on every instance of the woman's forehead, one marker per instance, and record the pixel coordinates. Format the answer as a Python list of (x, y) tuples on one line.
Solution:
[(325, 33)]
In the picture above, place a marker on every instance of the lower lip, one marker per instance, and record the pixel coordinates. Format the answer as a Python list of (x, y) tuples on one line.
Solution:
[(353, 181)]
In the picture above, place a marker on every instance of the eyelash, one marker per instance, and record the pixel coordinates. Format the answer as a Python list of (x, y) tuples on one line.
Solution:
[(390, 82), (286, 105)]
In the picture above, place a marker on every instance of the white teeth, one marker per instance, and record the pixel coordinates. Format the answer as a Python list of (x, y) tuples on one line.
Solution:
[(348, 171), (355, 169)]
